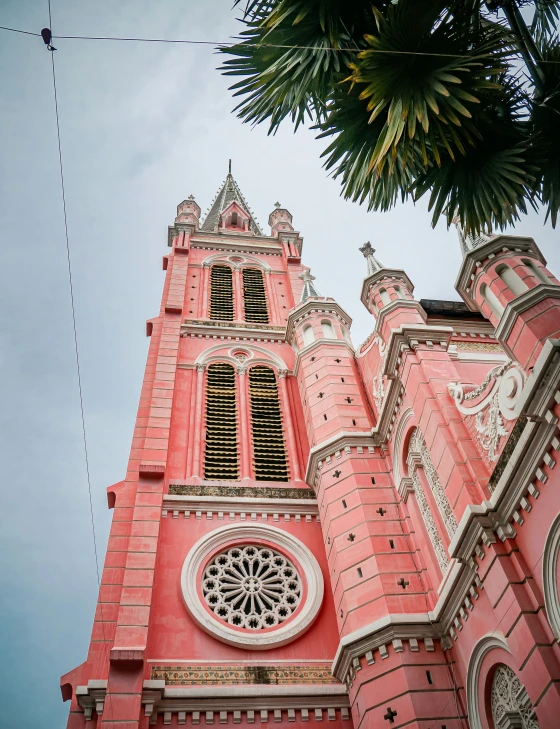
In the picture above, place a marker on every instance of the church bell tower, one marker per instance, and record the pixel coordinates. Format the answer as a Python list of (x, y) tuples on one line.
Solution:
[(215, 605)]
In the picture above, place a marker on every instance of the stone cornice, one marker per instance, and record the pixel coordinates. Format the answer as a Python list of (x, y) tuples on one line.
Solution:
[(239, 504), (398, 304), (522, 303), (395, 274), (321, 305), (335, 444), (387, 415), (235, 330), (474, 259), (316, 344), (409, 336)]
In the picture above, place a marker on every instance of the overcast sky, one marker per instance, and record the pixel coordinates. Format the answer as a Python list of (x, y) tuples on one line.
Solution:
[(143, 126)]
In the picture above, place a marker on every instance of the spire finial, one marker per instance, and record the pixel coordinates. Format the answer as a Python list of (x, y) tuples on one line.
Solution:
[(373, 264), (277, 205), (468, 241), (309, 291), (229, 171)]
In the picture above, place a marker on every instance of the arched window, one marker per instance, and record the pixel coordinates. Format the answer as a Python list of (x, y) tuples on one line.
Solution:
[(234, 218), (221, 455), (511, 280), (254, 296), (385, 298), (221, 293), (509, 696), (328, 330), (308, 335), (399, 292), (492, 300), (269, 450), (536, 271)]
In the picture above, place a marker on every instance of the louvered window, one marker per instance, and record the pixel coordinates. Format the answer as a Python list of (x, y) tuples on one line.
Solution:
[(221, 293), (269, 451), (254, 296), (221, 456)]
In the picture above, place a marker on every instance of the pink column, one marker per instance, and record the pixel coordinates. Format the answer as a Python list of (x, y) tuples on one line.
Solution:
[(273, 315), (197, 445), (238, 311), (287, 411), (244, 424), (204, 304)]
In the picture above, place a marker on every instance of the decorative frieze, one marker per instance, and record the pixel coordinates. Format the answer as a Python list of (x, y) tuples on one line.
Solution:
[(209, 674)]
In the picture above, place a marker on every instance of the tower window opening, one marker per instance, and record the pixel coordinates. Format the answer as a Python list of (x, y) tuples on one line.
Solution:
[(391, 543), (399, 292), (373, 480), (221, 455), (324, 415), (221, 293), (353, 421), (384, 296), (536, 271), (429, 677), (342, 379), (514, 283), (308, 335), (254, 296), (492, 300), (328, 330), (344, 503), (234, 218), (269, 450), (360, 572)]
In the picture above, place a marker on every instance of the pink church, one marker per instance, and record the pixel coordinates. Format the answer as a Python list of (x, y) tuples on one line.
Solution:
[(312, 533)]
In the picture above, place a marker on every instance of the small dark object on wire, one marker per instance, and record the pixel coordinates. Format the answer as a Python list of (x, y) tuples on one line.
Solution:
[(46, 35)]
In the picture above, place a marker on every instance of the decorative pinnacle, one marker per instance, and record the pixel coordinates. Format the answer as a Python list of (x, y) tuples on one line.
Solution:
[(277, 205), (309, 291), (190, 197), (373, 264), (468, 241)]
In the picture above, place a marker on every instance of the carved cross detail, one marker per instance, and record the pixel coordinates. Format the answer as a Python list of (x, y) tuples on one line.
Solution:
[(349, 400), (338, 360), (381, 511), (351, 537), (403, 583), (390, 715), (337, 474), (321, 394)]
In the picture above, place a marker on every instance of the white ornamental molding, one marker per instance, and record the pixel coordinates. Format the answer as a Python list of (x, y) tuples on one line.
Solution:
[(550, 579), (500, 391), (258, 537), (378, 387)]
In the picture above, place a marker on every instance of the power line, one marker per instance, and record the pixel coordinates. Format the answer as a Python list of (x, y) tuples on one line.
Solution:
[(71, 287), (230, 44)]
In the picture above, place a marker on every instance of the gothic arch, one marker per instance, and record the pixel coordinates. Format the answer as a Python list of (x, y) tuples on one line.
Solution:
[(247, 262), (224, 352), (401, 439), (550, 582), (482, 648)]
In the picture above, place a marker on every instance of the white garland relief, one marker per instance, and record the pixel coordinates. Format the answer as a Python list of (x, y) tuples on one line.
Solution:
[(251, 587), (496, 405), (378, 386), (418, 445), (431, 528), (510, 704)]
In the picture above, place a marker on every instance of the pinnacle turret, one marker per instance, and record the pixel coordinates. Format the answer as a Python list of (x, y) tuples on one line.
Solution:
[(373, 264), (309, 290)]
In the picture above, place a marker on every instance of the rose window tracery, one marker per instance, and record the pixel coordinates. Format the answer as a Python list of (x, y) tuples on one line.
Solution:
[(510, 700), (251, 587)]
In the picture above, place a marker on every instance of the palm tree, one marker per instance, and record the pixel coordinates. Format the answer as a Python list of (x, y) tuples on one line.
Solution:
[(459, 98)]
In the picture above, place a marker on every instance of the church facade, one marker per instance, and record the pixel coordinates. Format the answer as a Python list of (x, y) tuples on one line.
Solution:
[(309, 532)]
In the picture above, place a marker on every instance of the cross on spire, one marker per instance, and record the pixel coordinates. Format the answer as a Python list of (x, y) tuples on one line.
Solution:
[(309, 291), (373, 265)]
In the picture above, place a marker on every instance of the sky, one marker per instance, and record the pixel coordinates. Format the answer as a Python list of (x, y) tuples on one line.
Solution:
[(142, 127)]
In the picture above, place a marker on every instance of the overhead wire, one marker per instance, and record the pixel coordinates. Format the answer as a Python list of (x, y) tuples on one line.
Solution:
[(75, 330), (230, 44)]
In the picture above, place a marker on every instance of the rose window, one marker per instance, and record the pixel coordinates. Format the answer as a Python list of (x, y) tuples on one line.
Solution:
[(251, 587)]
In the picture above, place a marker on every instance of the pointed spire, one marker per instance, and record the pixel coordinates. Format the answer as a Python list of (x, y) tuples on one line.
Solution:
[(373, 265), (468, 241), (228, 192), (309, 291)]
